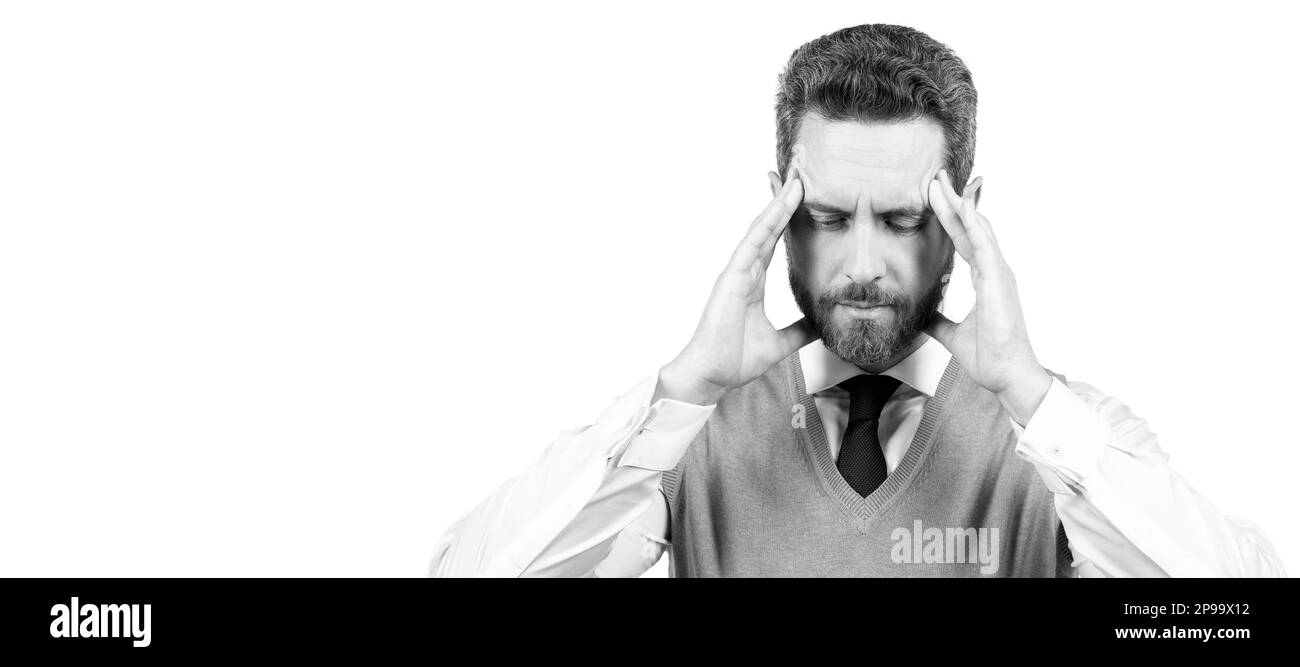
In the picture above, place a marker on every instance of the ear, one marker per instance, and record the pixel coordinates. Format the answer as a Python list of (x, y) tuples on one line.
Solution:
[(774, 180)]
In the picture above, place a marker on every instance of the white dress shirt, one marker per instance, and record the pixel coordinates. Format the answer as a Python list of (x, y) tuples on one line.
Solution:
[(591, 505)]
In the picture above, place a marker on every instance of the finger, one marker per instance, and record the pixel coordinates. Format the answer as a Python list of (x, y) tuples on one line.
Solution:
[(954, 202), (796, 335), (792, 205), (951, 223), (977, 191), (977, 228), (953, 199), (941, 329), (753, 234), (964, 205), (776, 225), (774, 216), (988, 231)]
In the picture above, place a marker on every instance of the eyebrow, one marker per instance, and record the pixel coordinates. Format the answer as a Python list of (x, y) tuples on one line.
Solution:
[(902, 212)]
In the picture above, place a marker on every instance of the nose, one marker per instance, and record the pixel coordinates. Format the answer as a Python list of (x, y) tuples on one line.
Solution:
[(865, 262)]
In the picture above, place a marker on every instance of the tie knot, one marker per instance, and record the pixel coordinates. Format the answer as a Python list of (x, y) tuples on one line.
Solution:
[(868, 394)]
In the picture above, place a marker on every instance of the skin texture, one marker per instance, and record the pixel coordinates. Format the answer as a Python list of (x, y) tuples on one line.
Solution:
[(861, 202), (864, 234)]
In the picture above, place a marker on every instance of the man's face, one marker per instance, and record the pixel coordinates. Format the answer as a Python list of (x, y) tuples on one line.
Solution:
[(867, 256)]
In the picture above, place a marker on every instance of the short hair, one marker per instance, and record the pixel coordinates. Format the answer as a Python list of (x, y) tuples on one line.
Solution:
[(879, 72)]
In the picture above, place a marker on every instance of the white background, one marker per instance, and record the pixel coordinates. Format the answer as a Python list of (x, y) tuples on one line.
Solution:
[(285, 288)]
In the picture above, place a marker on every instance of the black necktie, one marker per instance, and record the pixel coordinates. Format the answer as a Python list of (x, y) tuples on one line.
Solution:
[(861, 461)]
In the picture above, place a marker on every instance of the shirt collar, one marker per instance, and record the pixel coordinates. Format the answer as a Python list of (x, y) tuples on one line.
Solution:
[(920, 370)]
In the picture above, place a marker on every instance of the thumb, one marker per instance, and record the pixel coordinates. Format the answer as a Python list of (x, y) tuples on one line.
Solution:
[(796, 335), (941, 329)]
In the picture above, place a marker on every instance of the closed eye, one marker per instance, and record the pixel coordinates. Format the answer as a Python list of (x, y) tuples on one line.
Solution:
[(906, 225), (828, 221), (901, 224)]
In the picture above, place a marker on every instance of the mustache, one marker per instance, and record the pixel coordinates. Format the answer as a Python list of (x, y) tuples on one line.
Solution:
[(868, 293)]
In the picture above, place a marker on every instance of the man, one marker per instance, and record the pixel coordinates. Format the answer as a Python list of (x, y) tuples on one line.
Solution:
[(873, 437)]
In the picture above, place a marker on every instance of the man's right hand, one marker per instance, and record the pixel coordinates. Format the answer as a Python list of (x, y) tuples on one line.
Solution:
[(734, 341)]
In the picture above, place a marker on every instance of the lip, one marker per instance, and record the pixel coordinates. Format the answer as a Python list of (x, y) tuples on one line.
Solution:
[(864, 312), (858, 305)]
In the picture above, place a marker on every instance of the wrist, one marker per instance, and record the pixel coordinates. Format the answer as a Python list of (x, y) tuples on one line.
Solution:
[(1023, 395), (679, 384)]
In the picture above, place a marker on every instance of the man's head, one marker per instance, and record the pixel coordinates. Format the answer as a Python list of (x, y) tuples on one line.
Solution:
[(869, 115)]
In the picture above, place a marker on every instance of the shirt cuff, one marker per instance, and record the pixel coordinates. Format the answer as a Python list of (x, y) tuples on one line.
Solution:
[(653, 437), (1064, 439)]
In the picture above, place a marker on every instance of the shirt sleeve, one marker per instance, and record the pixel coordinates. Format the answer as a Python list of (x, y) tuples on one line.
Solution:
[(1125, 510), (562, 516), (639, 546)]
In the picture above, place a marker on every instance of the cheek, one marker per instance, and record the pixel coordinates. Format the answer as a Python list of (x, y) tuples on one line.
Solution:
[(801, 247), (936, 249), (922, 263), (817, 257)]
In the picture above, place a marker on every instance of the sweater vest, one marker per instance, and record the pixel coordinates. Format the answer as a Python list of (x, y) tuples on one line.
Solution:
[(757, 493)]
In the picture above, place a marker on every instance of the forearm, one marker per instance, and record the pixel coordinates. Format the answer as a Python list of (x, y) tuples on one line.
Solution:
[(1126, 510), (562, 514)]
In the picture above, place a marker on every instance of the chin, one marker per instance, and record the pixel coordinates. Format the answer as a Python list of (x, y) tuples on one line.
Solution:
[(862, 342)]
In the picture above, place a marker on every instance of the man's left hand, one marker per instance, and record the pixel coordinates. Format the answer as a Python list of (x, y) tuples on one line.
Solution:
[(991, 343)]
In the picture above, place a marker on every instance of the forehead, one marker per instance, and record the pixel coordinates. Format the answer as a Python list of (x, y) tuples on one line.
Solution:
[(842, 162)]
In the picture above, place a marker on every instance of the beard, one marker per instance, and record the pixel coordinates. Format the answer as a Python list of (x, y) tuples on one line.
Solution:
[(864, 341)]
